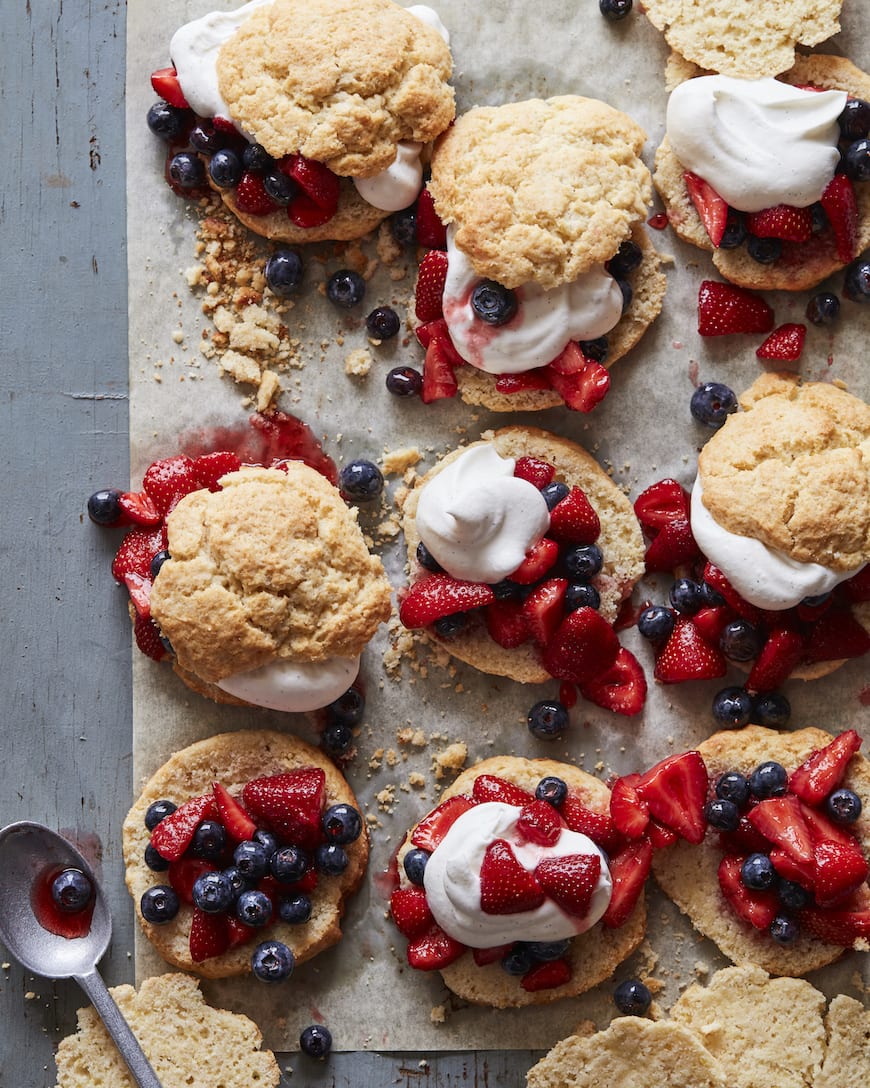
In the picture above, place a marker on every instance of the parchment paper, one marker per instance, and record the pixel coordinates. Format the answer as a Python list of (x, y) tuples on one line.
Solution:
[(642, 431)]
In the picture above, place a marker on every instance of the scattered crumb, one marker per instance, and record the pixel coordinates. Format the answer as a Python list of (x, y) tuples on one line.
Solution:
[(358, 363), (450, 761), (416, 780), (438, 1014), (396, 461), (386, 798)]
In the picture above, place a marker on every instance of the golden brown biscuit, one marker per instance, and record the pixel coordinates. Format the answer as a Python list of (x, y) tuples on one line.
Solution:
[(847, 1058)]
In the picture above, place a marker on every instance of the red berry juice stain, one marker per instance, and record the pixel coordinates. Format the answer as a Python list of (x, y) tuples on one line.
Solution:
[(693, 373), (50, 916), (568, 695), (386, 881), (864, 696), (658, 221)]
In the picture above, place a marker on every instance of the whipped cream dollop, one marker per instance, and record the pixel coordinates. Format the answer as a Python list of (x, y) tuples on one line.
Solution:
[(293, 686), (397, 186), (763, 576), (758, 142), (545, 321), (478, 519), (452, 881)]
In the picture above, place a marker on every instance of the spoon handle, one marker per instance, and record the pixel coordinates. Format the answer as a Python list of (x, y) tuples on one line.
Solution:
[(119, 1029)]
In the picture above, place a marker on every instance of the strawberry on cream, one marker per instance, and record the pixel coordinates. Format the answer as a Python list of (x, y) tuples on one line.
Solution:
[(293, 687), (453, 885)]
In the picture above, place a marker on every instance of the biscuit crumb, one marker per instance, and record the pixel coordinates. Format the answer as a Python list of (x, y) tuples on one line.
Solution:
[(438, 1014), (358, 363), (450, 761)]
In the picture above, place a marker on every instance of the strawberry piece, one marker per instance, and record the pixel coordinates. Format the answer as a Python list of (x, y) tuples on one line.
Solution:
[(675, 790), (711, 208), (573, 520), (781, 822), (628, 810), (505, 886), (523, 383), (209, 935), (779, 657), (183, 873), (724, 309), (210, 467), (540, 823), (662, 502), (757, 908), (544, 608), (306, 213), (437, 330), (546, 976), (239, 825), (825, 769), (581, 388), (789, 869), (439, 381), (598, 826), (251, 195), (138, 509), (238, 933), (570, 881), (743, 840), (809, 613), (484, 956), (568, 694), (290, 804), (489, 787), (836, 635), (165, 83), (822, 827), (686, 656), (147, 635), (673, 546), (440, 595), (433, 950), (172, 836), (430, 286), (169, 480), (783, 221), (431, 830), (431, 232), (840, 870), (135, 553), (857, 588), (785, 343), (628, 870), (539, 559), (621, 689), (317, 182), (535, 471), (583, 647), (139, 589), (711, 622), (716, 578), (660, 836), (841, 207), (506, 624), (841, 927), (410, 911)]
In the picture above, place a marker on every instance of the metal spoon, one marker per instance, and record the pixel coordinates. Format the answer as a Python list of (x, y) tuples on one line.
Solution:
[(27, 852)]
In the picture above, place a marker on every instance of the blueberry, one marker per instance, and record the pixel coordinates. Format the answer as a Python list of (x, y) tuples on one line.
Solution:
[(257, 159), (769, 779), (583, 560), (383, 323), (288, 864), (348, 708), (843, 806), (581, 595), (272, 961), (155, 862), (414, 864), (336, 738), (856, 161), (427, 560), (627, 258), (819, 218), (157, 811), (712, 403), (733, 786), (186, 170), (331, 859), (547, 951), (492, 303), (506, 590), (518, 960), (758, 873), (316, 1042), (627, 293), (552, 789), (656, 623), (784, 929), (554, 493), (206, 138), (854, 121), (686, 596), (404, 381), (213, 893), (104, 507), (267, 840), (632, 997), (764, 250), (251, 859), (614, 9), (341, 823), (792, 895), (157, 562), (732, 708), (281, 188), (856, 285), (159, 904), (771, 709), (254, 908), (209, 840), (548, 720), (734, 234), (823, 308), (71, 891), (403, 226), (360, 481), (596, 349), (449, 626), (283, 272), (166, 121), (345, 288), (295, 909), (225, 168), (816, 601), (740, 640), (723, 815), (711, 597), (237, 881)]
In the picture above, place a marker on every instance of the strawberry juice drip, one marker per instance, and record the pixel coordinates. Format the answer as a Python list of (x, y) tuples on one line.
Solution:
[(50, 916)]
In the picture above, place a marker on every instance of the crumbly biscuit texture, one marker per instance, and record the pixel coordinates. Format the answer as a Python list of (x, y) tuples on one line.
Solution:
[(338, 81), (188, 1043), (594, 955), (793, 471), (541, 190), (272, 566), (620, 541), (847, 1058), (688, 874), (742, 39), (233, 759)]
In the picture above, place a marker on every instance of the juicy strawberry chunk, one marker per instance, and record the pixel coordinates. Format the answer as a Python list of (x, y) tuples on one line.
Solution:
[(781, 822), (544, 608), (660, 836), (540, 823), (686, 656), (628, 810), (824, 770), (743, 840), (440, 595), (239, 825), (139, 589), (306, 213), (505, 886), (568, 694), (716, 578), (711, 208), (822, 827), (210, 467), (841, 207), (437, 330), (546, 976), (169, 480), (165, 83), (539, 559), (209, 935), (439, 381), (138, 509), (573, 520), (836, 635), (628, 869), (779, 657), (430, 831), (484, 956), (522, 383), (841, 927), (431, 232), (675, 790), (757, 908), (621, 689), (570, 881), (251, 196), (238, 933), (183, 873), (489, 787), (673, 546), (535, 471), (135, 553), (840, 870), (598, 826), (430, 286), (711, 622), (172, 836), (433, 950), (584, 646), (789, 869), (662, 502), (724, 309), (506, 624), (147, 636), (580, 389), (316, 181), (785, 343), (783, 221), (857, 588), (410, 911), (290, 804)]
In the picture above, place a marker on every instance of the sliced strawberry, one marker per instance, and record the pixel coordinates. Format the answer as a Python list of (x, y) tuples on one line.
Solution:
[(628, 870), (429, 292), (785, 343), (523, 383), (840, 870), (505, 886), (779, 657), (484, 956), (716, 578), (711, 208), (211, 467), (809, 613), (841, 927), (139, 589), (433, 950), (724, 309), (430, 831), (857, 588), (780, 821), (621, 689), (673, 546), (147, 635), (439, 381), (573, 520), (629, 812), (316, 180), (825, 769), (581, 389), (138, 509), (783, 221), (789, 869), (539, 559), (172, 836), (598, 826), (675, 790), (570, 881), (165, 83), (238, 933), (757, 908), (662, 502), (437, 330), (183, 873), (209, 935), (489, 787), (841, 207), (546, 976), (440, 595), (290, 804), (686, 656), (711, 622), (743, 840), (506, 624), (305, 212), (822, 827), (544, 608), (431, 232), (535, 471), (540, 823), (251, 196), (239, 825), (836, 635), (135, 553), (584, 646), (410, 911), (169, 480), (660, 836)]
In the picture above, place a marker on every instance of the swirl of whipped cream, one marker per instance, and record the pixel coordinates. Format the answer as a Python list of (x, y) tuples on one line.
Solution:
[(543, 325), (452, 881), (757, 142), (478, 519), (397, 186), (293, 686), (763, 576)]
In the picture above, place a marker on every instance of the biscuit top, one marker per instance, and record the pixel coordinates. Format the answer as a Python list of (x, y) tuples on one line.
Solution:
[(272, 566), (793, 471), (339, 81), (541, 190), (742, 39)]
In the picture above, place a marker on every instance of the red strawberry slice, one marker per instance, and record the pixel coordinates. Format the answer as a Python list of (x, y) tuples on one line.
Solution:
[(430, 286), (584, 646), (825, 769), (209, 935), (743, 840), (673, 546), (172, 836), (621, 689), (238, 933), (570, 881), (431, 830), (628, 870), (840, 870), (169, 480), (785, 343), (523, 383), (841, 207), (783, 221), (506, 624), (290, 804), (211, 467), (138, 509), (410, 911), (546, 976), (540, 823), (568, 694), (316, 181), (139, 589), (757, 908), (183, 874), (433, 950), (535, 471), (147, 636), (484, 956), (789, 869), (841, 927), (779, 657), (598, 826), (437, 330), (661, 836), (686, 656), (440, 595), (716, 578), (505, 886), (675, 790), (711, 208), (251, 196), (544, 608), (809, 613), (439, 381), (165, 83), (135, 553), (836, 635), (857, 588), (662, 502), (573, 520), (781, 822), (306, 213), (431, 232), (239, 825), (711, 622), (581, 389), (539, 559), (823, 829), (724, 309), (628, 810), (489, 787)]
